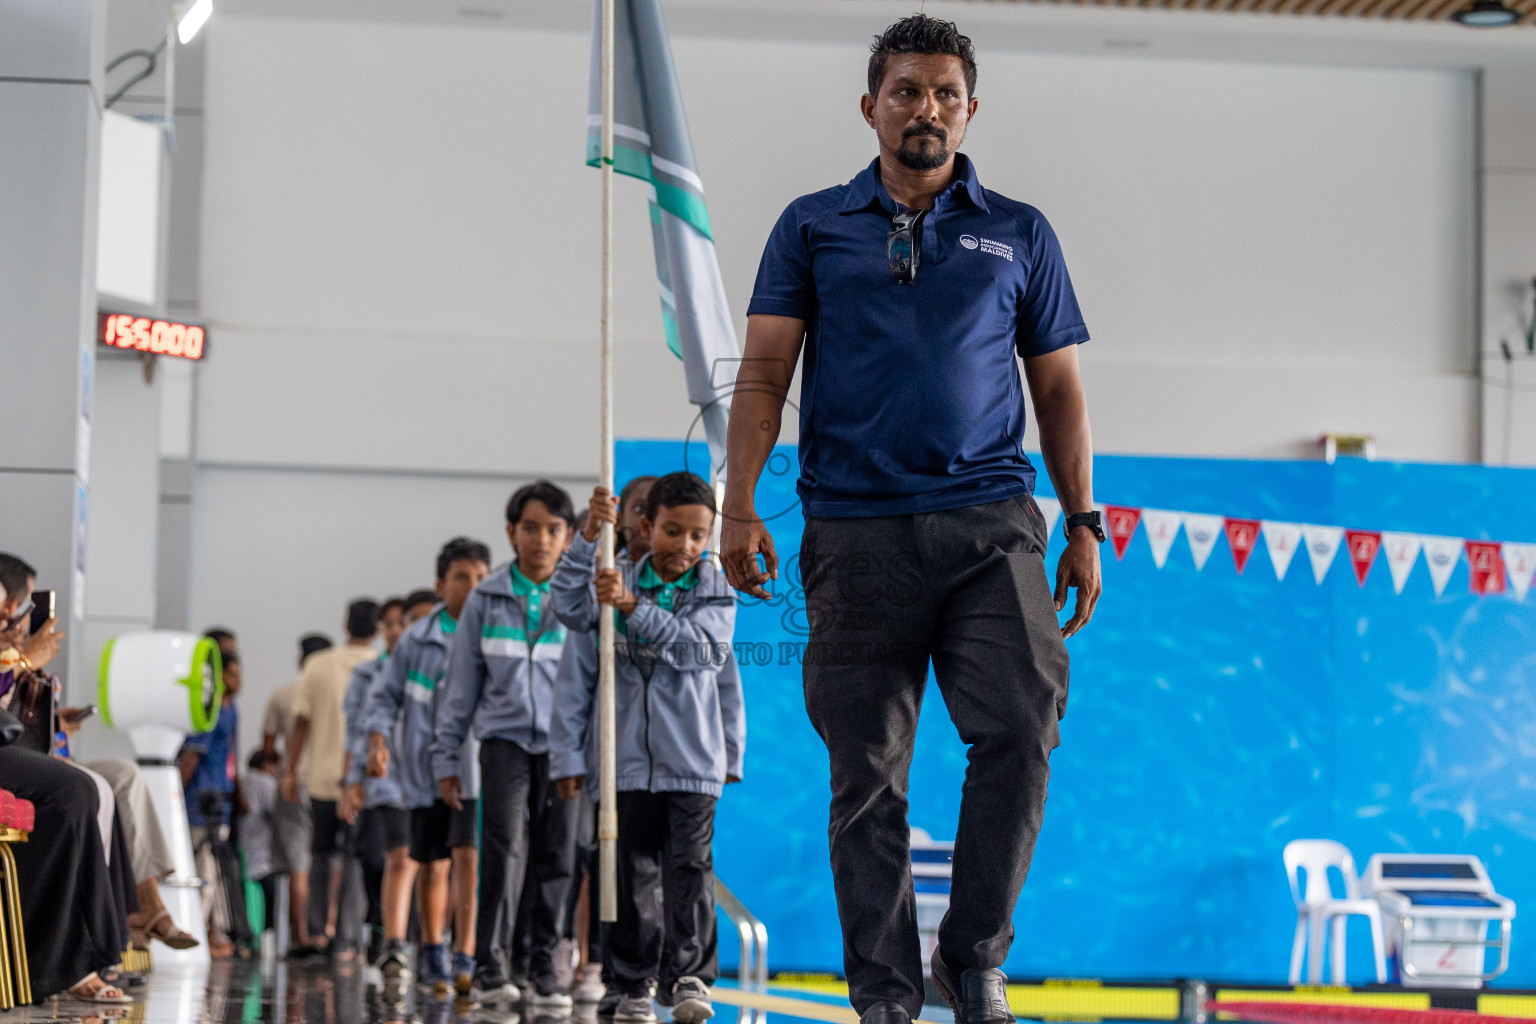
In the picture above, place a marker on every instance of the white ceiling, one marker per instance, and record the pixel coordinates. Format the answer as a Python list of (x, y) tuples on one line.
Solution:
[(1051, 28)]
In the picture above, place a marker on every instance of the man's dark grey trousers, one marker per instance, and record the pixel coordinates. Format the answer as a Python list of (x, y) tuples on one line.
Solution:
[(965, 589)]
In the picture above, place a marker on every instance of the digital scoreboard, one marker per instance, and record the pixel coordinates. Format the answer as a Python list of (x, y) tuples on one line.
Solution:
[(157, 337)]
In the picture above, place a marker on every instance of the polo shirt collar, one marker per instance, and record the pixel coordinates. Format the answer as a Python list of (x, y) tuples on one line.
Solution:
[(649, 578), (522, 586), (866, 188)]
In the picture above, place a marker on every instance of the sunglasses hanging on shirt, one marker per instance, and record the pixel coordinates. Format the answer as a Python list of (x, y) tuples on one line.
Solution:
[(904, 245)]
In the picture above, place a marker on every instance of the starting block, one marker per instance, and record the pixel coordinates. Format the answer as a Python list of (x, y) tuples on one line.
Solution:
[(1437, 910)]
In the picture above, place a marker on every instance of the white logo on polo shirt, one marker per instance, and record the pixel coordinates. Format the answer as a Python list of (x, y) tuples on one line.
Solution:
[(988, 245)]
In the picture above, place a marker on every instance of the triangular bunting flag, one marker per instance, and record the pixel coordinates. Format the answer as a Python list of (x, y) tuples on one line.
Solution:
[(1162, 527), (1520, 560), (1362, 545), (1050, 508), (1322, 545), (1242, 535), (1401, 550), (1120, 522), (1487, 576), (1441, 555), (1282, 540), (1202, 531)]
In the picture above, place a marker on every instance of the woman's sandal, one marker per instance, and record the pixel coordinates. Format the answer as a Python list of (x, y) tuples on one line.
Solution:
[(163, 928), (91, 989), (124, 980)]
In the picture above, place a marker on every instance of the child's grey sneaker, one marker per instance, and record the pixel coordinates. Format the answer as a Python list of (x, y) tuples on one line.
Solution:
[(636, 1009), (690, 1001), (395, 964), (589, 987)]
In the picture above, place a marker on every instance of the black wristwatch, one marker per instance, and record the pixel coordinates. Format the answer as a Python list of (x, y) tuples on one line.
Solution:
[(1093, 520)]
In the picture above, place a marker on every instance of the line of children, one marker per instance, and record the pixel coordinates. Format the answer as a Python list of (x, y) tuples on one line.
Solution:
[(494, 678), (376, 804), (401, 706)]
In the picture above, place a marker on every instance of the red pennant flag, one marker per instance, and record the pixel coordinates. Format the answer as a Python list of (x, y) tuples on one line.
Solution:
[(1486, 562), (1242, 535), (1122, 526), (1362, 545)]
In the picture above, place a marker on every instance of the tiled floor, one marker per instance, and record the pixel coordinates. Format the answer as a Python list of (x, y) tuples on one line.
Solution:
[(244, 993)]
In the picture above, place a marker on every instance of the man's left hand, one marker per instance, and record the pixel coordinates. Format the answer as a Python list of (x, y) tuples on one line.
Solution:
[(1079, 567)]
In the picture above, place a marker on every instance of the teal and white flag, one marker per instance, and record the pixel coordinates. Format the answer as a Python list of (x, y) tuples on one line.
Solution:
[(651, 142)]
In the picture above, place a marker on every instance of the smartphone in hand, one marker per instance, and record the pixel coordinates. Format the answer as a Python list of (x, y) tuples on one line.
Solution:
[(42, 610)]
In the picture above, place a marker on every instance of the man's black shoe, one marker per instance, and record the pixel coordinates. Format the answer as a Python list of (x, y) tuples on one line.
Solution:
[(885, 1013), (977, 997)]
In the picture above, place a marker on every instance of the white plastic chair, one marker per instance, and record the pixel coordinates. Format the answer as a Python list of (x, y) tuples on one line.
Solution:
[(1317, 907)]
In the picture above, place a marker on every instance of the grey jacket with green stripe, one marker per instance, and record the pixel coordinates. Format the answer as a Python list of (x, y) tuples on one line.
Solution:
[(681, 724), (501, 676), (403, 700)]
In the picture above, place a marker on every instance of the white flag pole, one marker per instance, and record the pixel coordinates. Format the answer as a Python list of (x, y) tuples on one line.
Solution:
[(608, 811)]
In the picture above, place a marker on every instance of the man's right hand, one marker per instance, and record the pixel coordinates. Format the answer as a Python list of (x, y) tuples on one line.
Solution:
[(743, 536), (290, 790), (569, 788), (603, 508), (378, 757), (450, 789)]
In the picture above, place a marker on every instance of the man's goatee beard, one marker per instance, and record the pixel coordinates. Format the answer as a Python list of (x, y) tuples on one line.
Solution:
[(920, 157)]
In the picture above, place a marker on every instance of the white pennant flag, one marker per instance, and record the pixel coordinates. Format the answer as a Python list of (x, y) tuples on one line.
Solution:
[(1402, 550), (1520, 560), (1162, 527), (1282, 539), (1322, 544), (1202, 531), (1441, 555), (1051, 509)]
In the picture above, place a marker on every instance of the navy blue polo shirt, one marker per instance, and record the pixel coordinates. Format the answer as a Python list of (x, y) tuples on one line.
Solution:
[(910, 397)]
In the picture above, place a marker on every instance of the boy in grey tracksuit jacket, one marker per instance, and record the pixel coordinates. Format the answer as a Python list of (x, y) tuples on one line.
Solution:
[(400, 709), (675, 751), (500, 687)]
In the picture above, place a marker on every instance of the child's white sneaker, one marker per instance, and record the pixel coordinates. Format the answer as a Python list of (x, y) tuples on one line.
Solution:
[(690, 1001), (589, 987)]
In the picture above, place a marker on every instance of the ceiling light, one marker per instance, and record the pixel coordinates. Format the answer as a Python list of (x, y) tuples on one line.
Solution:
[(1486, 14), (198, 13)]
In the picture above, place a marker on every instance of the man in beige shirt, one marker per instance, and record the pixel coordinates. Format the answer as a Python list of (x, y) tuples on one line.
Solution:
[(292, 831), (320, 725)]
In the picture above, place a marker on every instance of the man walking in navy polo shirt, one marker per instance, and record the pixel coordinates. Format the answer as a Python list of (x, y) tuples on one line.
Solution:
[(912, 289)]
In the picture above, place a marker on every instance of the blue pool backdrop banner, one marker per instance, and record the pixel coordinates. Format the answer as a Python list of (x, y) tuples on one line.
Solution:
[(1213, 718)]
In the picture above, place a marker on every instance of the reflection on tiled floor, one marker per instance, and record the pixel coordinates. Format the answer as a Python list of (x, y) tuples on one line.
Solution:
[(242, 993)]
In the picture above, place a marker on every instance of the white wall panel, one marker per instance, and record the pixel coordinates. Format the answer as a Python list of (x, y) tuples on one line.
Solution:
[(1260, 218)]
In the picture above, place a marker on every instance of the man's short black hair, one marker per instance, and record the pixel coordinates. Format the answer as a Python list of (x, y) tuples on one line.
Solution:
[(919, 33), (218, 634), (362, 618), (461, 549), (417, 597), (554, 498), (309, 643), (676, 489), (15, 574), (261, 759), (392, 604)]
